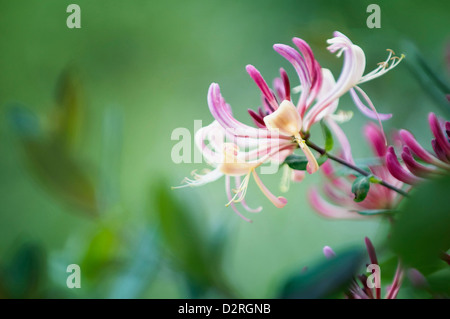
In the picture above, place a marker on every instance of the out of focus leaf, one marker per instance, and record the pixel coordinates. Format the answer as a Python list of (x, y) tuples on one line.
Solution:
[(328, 137), (326, 278), (360, 188), (25, 274), (141, 269), (439, 283), (431, 82), (52, 163), (189, 244), (100, 254), (421, 232), (69, 109)]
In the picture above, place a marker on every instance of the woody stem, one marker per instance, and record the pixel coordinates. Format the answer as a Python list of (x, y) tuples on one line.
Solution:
[(353, 167)]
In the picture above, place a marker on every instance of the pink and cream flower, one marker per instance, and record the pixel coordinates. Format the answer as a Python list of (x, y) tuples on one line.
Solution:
[(282, 125)]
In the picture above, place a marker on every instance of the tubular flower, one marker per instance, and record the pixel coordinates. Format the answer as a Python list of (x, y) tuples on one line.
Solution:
[(359, 287), (280, 125), (419, 163), (340, 203), (355, 291)]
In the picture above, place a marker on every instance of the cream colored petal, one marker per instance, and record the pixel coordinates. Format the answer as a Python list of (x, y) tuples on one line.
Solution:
[(285, 119)]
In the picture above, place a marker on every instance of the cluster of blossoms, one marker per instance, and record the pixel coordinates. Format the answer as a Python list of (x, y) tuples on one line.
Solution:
[(413, 171), (235, 150), (415, 165), (282, 125), (359, 288)]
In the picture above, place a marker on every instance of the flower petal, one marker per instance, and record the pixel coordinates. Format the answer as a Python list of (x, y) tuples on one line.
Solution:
[(327, 210), (279, 202), (397, 170), (261, 83)]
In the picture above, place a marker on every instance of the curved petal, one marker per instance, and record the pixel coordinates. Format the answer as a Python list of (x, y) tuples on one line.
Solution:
[(376, 139), (413, 166), (343, 140), (397, 170), (222, 113), (327, 210), (279, 202), (261, 83), (438, 132)]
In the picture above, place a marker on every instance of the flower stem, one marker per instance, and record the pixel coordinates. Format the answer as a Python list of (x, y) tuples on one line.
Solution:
[(353, 167)]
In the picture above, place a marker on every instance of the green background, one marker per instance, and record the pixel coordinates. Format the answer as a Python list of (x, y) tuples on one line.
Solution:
[(148, 64)]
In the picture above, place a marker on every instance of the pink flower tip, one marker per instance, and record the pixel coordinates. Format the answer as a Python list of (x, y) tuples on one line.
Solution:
[(328, 252)]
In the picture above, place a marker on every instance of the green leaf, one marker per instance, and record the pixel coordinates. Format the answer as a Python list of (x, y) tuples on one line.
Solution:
[(52, 164), (194, 250), (296, 162), (67, 116), (328, 137), (326, 278), (140, 270), (299, 162), (371, 212), (431, 82), (322, 159), (375, 180), (25, 274), (421, 231), (62, 174), (439, 282), (360, 188)]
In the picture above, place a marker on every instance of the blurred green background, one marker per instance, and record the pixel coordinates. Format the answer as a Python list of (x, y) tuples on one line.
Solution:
[(85, 139)]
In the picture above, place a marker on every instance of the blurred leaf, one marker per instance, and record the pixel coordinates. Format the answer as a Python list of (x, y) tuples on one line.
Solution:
[(328, 137), (139, 273), (62, 174), (191, 248), (431, 82), (421, 232), (25, 274), (439, 283), (52, 164), (388, 267), (360, 188), (69, 108), (100, 254), (322, 159), (325, 279)]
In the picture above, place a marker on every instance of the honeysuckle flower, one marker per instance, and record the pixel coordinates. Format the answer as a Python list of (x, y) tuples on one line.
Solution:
[(418, 163), (281, 125), (359, 288), (356, 291), (227, 160), (328, 252), (339, 201)]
